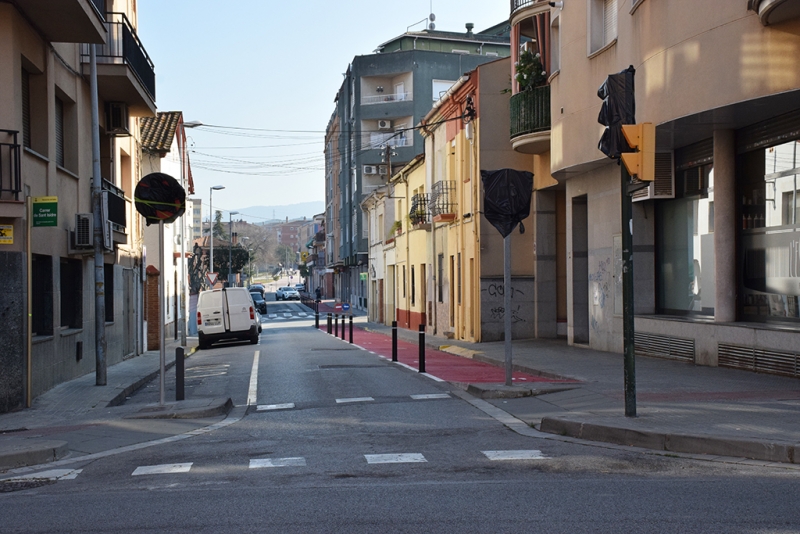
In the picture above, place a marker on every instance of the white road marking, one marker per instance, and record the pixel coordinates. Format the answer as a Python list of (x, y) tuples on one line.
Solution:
[(273, 316), (287, 314), (515, 455), (277, 462), (431, 396), (162, 469), (301, 314), (252, 392), (355, 399), (401, 458), (52, 474), (267, 407)]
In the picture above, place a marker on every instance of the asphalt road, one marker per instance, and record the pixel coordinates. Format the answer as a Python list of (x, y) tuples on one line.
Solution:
[(339, 440)]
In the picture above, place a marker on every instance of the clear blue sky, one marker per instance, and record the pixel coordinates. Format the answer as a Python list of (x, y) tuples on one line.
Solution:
[(270, 65)]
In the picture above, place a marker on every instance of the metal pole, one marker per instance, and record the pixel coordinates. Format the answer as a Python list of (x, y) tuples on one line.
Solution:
[(182, 265), (230, 251), (162, 349), (422, 348), (211, 230), (351, 329), (507, 304), (330, 326), (394, 341), (627, 296), (179, 363), (97, 192)]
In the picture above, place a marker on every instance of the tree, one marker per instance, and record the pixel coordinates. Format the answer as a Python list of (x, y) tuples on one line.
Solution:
[(219, 228), (284, 255)]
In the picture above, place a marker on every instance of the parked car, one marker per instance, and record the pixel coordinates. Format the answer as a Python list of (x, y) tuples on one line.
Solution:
[(227, 313), (287, 293), (258, 300), (301, 288), (258, 287)]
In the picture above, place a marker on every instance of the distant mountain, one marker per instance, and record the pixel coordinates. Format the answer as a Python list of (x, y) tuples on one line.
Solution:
[(262, 214)]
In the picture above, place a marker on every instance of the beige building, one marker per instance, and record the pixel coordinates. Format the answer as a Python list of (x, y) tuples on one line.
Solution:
[(716, 235), (47, 255)]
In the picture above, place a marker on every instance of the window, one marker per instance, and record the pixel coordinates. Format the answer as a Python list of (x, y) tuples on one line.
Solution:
[(108, 281), (602, 24), (440, 277), (412, 286), (555, 43), (34, 108), (685, 238), (26, 109), (59, 132), (71, 277), (440, 87), (42, 295), (404, 281)]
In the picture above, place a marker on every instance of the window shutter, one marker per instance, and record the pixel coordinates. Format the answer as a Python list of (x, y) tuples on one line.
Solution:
[(59, 132), (609, 21), (26, 109)]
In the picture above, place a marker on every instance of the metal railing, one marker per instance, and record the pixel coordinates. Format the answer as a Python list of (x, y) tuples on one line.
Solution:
[(389, 97), (519, 4), (530, 111), (442, 199), (123, 47), (420, 212), (117, 205), (10, 177)]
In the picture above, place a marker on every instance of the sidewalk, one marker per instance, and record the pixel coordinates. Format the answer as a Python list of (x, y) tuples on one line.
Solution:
[(681, 407), (79, 417)]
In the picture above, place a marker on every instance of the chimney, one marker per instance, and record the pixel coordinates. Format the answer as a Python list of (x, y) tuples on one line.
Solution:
[(469, 29)]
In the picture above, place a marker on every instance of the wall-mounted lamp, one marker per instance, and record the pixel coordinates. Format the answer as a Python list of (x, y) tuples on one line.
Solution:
[(559, 5), (379, 89)]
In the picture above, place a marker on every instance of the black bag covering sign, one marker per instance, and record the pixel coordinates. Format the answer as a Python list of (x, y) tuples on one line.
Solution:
[(506, 198), (159, 197)]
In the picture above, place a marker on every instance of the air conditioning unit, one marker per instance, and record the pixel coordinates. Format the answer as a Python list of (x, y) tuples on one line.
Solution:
[(384, 125), (370, 169), (84, 229), (664, 184), (117, 118)]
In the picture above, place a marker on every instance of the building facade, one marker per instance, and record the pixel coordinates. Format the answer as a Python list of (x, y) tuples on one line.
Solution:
[(47, 214)]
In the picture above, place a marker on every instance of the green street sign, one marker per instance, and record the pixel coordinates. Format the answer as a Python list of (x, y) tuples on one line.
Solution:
[(45, 211)]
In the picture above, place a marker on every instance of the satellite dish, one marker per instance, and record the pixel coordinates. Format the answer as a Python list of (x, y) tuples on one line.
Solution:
[(431, 26), (432, 17)]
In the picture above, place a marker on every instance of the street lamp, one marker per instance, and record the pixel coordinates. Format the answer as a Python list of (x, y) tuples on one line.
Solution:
[(249, 264), (211, 223), (230, 249)]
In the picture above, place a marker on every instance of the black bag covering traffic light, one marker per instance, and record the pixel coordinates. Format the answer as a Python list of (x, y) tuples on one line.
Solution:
[(619, 107), (506, 198), (159, 197)]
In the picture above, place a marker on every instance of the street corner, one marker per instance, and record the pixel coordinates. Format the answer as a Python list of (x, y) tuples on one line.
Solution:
[(20, 452), (499, 391), (186, 409)]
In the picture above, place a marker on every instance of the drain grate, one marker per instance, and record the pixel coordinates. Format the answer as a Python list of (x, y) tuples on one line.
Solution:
[(672, 348), (774, 362)]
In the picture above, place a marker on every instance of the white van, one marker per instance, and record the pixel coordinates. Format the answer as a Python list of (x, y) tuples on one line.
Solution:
[(227, 313)]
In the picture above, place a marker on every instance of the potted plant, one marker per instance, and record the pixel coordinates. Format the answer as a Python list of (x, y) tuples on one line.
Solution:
[(530, 72), (396, 229)]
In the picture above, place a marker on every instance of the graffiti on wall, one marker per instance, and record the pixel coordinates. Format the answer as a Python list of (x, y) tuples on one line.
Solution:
[(493, 292)]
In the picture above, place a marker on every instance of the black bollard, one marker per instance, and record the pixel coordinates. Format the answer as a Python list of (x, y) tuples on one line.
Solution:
[(179, 393), (336, 325), (394, 341), (316, 319), (343, 329), (330, 323), (351, 329), (422, 348)]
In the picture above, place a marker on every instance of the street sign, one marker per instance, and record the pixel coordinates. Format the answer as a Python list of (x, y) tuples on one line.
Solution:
[(45, 211), (345, 306), (6, 234), (212, 278)]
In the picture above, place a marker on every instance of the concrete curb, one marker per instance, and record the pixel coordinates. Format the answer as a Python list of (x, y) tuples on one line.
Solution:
[(781, 452), (120, 398), (189, 409), (22, 452)]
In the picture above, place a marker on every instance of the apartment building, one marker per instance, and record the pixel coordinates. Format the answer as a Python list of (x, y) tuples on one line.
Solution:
[(381, 99), (715, 236), (52, 317)]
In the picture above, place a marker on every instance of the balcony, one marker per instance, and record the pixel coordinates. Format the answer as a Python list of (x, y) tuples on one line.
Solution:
[(10, 181), (125, 72), (530, 121), (443, 201), (384, 98), (115, 209), (775, 11), (65, 21), (420, 215)]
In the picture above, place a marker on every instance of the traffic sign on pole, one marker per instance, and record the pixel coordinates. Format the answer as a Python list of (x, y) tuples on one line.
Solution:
[(212, 279)]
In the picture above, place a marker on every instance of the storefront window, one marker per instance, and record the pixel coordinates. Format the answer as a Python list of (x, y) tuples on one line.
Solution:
[(685, 237), (770, 234)]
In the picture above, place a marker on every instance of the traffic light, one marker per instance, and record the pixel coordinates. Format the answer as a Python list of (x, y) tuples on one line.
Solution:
[(619, 107), (641, 164)]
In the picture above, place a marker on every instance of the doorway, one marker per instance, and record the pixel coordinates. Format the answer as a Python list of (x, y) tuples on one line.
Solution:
[(580, 270)]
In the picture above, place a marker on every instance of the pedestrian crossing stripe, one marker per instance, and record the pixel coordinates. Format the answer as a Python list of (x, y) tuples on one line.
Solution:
[(355, 399), (163, 469), (431, 396), (52, 474), (514, 455), (401, 458), (277, 462), (270, 407)]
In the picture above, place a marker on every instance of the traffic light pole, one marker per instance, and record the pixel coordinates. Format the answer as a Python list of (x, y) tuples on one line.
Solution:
[(627, 294)]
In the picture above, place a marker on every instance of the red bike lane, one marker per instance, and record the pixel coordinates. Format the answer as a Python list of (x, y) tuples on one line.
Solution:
[(443, 365)]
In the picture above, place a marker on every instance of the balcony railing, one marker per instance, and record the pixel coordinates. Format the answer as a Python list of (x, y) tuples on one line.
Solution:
[(10, 180), (117, 205), (519, 4), (443, 201), (384, 98), (530, 111), (123, 47), (420, 213)]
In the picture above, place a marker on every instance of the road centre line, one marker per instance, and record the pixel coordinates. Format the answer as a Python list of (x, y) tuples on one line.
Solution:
[(163, 469), (401, 458), (252, 393), (277, 462)]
